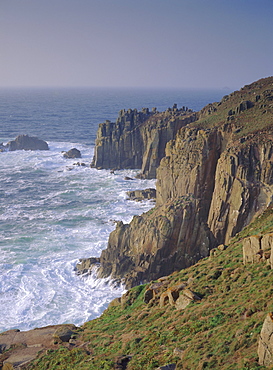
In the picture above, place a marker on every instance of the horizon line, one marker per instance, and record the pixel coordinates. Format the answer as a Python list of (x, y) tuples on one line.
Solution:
[(224, 88)]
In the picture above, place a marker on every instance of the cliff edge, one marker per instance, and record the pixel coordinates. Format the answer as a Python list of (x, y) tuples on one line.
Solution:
[(137, 139)]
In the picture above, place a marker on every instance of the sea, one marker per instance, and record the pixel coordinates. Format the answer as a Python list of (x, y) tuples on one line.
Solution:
[(53, 212)]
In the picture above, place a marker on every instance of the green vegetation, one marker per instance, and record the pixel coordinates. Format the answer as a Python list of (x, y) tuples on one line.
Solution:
[(220, 332)]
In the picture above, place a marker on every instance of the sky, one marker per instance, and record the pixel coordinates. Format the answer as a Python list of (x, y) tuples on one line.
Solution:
[(135, 43)]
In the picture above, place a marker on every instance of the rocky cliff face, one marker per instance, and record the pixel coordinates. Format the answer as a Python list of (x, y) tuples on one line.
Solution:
[(138, 139), (243, 188), (165, 239), (216, 176)]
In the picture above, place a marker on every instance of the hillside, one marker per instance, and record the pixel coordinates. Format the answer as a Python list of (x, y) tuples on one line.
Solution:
[(220, 331)]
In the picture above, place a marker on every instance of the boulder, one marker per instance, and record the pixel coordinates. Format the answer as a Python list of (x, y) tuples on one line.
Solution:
[(64, 332), (171, 295), (267, 246), (72, 153), (178, 296), (258, 248), (167, 367), (244, 106), (185, 299), (251, 248), (154, 289), (25, 142), (265, 344)]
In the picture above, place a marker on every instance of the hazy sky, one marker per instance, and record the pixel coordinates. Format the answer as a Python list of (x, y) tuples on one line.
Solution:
[(142, 43)]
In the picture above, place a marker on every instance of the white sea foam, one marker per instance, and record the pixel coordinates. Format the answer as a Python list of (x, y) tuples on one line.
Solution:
[(53, 213)]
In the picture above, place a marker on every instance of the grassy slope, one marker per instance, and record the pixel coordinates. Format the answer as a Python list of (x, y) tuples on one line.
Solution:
[(220, 332)]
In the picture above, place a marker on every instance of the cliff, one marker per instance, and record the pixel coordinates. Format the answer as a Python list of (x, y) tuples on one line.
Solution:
[(138, 139), (165, 239), (215, 178)]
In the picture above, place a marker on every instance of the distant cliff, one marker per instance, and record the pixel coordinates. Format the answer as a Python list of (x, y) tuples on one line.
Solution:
[(138, 138), (215, 177)]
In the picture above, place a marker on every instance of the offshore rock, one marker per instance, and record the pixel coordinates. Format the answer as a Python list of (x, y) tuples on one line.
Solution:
[(72, 153), (137, 139), (25, 142), (165, 239)]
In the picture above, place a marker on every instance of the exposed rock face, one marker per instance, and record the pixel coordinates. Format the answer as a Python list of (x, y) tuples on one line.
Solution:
[(265, 347), (171, 237), (258, 248), (189, 166), (216, 176), (25, 142), (243, 186), (138, 139), (232, 182)]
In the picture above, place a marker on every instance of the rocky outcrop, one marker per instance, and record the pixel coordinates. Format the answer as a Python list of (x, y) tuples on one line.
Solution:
[(265, 346), (258, 248), (170, 237), (25, 142), (86, 265), (72, 153), (139, 195), (18, 348), (138, 139)]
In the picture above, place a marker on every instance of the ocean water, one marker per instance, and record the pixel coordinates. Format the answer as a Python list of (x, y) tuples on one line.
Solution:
[(52, 212)]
